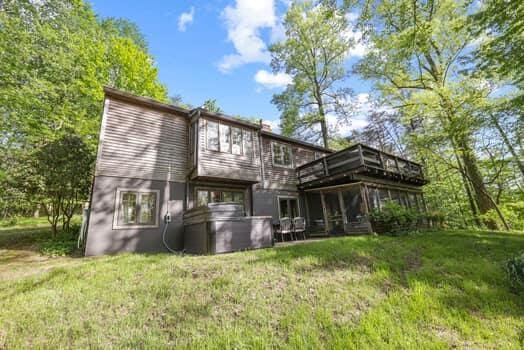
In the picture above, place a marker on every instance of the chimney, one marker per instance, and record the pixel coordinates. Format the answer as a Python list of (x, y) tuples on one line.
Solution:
[(265, 126)]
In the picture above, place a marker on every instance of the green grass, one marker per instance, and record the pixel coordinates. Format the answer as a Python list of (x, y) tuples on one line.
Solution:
[(428, 290)]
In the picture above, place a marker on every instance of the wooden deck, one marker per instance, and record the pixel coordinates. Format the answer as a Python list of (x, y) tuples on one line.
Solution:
[(359, 159)]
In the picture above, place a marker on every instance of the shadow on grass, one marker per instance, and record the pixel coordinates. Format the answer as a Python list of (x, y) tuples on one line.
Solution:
[(468, 264)]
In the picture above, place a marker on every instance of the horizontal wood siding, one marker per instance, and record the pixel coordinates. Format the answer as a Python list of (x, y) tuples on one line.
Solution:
[(140, 142), (277, 177), (215, 164)]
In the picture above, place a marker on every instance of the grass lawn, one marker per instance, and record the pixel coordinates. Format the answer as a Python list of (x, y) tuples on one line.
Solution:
[(427, 290)]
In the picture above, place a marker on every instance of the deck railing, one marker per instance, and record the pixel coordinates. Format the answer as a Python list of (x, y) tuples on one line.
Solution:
[(355, 157)]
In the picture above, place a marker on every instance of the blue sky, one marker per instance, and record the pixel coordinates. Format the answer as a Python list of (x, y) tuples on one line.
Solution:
[(218, 49)]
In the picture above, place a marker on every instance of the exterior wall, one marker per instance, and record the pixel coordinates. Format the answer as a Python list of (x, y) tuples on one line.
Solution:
[(282, 178), (141, 142), (222, 165), (103, 239), (265, 202)]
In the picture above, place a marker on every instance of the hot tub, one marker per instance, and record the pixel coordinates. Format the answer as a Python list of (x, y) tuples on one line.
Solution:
[(223, 227)]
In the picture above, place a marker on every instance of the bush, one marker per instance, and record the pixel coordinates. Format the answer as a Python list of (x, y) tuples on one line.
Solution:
[(513, 213), (515, 270), (56, 248), (394, 217)]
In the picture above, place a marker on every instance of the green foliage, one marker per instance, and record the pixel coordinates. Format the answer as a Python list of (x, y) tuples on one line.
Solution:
[(313, 53), (56, 57), (513, 212), (395, 217), (515, 270), (63, 170), (212, 106), (55, 248)]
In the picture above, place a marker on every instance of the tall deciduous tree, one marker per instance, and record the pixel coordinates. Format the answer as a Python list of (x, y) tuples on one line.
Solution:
[(313, 53), (416, 63), (56, 57)]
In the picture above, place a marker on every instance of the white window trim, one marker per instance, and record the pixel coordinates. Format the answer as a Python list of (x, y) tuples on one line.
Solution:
[(279, 144), (221, 189), (119, 190), (207, 135), (288, 197)]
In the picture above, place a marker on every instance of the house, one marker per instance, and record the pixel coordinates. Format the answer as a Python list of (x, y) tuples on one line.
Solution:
[(193, 180)]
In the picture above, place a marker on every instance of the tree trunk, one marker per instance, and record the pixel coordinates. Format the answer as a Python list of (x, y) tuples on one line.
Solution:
[(506, 140), (323, 125), (465, 181), (482, 197)]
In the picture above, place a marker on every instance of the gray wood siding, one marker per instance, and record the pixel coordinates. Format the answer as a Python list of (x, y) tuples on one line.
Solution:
[(215, 164), (140, 142), (276, 177)]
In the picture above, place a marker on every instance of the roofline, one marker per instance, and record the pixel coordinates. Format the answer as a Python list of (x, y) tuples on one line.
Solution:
[(143, 101), (224, 117), (300, 142), (149, 102)]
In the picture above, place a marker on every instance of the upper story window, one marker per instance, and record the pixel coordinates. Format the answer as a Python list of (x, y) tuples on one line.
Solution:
[(229, 139), (282, 154), (247, 137), (236, 147), (212, 136), (136, 208), (225, 138)]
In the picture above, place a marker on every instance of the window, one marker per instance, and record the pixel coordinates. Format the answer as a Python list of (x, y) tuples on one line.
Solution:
[(202, 198), (288, 207), (236, 147), (225, 138), (136, 208), (212, 136), (217, 196), (282, 155), (229, 139), (248, 143)]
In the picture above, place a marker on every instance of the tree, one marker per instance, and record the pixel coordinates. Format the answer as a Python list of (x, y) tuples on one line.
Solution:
[(212, 106), (500, 24), (56, 57), (121, 27), (313, 53), (63, 169), (416, 62)]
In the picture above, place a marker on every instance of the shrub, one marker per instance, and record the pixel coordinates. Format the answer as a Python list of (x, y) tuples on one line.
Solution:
[(395, 217), (515, 270), (56, 248)]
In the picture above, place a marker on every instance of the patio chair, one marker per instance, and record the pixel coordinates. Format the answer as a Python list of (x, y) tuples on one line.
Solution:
[(299, 226), (285, 229)]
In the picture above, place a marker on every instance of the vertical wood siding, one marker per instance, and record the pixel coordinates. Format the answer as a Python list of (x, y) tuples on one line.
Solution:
[(141, 142)]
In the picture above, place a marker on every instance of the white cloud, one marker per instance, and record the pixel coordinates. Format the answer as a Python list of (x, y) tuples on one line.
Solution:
[(185, 19), (244, 22), (270, 80), (359, 48)]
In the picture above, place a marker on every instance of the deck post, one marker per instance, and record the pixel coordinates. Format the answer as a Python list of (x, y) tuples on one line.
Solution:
[(324, 211)]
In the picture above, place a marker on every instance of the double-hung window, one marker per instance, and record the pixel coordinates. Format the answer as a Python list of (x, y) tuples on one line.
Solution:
[(136, 208), (282, 155)]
